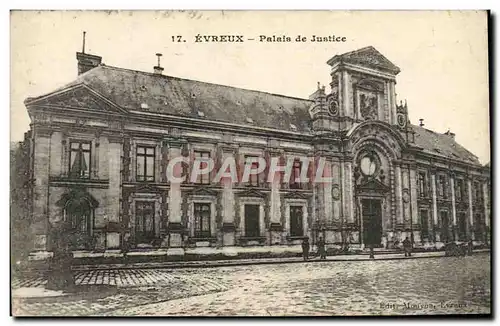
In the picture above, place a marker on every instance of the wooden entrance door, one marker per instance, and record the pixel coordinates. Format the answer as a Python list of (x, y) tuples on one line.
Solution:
[(372, 221)]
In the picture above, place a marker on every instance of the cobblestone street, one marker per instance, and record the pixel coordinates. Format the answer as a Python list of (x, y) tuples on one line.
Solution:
[(415, 286)]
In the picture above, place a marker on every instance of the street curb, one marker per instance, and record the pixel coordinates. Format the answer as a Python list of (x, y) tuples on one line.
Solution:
[(232, 263)]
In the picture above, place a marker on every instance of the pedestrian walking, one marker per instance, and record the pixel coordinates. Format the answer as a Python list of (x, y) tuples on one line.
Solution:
[(305, 249), (407, 247), (126, 247), (321, 248), (372, 252), (470, 247)]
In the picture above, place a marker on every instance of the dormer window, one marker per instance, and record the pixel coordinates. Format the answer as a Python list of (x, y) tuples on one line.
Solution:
[(293, 127)]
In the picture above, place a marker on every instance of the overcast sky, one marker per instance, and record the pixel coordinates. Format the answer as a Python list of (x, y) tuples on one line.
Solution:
[(442, 56)]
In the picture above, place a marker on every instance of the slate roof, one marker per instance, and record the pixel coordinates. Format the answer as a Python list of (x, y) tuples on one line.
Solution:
[(143, 91), (136, 90), (367, 56), (442, 145)]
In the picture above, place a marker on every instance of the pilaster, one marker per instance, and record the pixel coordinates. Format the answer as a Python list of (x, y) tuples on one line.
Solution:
[(41, 171), (453, 206), (114, 200), (471, 212), (175, 225)]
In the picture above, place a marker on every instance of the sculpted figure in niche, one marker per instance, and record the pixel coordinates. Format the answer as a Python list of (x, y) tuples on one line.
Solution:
[(368, 106)]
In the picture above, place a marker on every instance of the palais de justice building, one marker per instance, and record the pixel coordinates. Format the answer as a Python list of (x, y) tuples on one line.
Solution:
[(99, 148)]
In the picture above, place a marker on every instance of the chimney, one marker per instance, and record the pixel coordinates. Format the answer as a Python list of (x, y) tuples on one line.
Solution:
[(158, 69), (421, 122), (86, 61), (450, 134)]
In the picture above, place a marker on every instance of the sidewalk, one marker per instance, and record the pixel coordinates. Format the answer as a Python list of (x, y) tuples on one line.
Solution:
[(260, 261)]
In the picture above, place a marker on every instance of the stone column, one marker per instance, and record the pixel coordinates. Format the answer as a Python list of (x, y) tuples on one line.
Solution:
[(336, 192), (437, 233), (324, 197), (453, 207), (399, 197), (414, 204), (64, 154), (276, 227), (345, 96), (41, 165), (342, 112), (324, 193), (471, 212), (392, 95), (348, 192), (486, 203), (175, 227), (227, 200), (95, 154), (115, 149)]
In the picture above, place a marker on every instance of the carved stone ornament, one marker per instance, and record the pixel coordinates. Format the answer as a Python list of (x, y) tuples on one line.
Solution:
[(336, 192), (368, 106), (406, 195), (401, 120), (333, 107)]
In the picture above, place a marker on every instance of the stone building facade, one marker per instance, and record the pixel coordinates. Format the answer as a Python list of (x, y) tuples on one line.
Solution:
[(99, 149)]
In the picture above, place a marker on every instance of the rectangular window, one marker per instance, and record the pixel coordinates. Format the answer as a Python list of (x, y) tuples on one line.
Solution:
[(79, 159), (202, 220), (145, 164), (442, 187), (479, 227), (445, 230), (253, 179), (422, 184), (478, 194), (296, 167), (424, 220), (144, 221), (459, 190), (252, 220), (462, 226), (201, 158), (296, 221)]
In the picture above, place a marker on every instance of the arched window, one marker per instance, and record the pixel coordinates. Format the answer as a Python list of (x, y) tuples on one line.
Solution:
[(78, 214)]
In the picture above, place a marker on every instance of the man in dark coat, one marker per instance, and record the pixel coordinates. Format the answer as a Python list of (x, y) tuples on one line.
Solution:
[(407, 247), (321, 248), (305, 249)]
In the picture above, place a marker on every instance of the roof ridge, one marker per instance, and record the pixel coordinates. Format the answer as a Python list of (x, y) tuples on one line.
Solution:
[(203, 82), (359, 50), (454, 142)]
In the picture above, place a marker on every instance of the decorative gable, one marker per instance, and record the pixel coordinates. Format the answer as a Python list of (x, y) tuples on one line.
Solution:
[(367, 56), (296, 195), (373, 185), (202, 191), (251, 193), (77, 97), (147, 188)]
